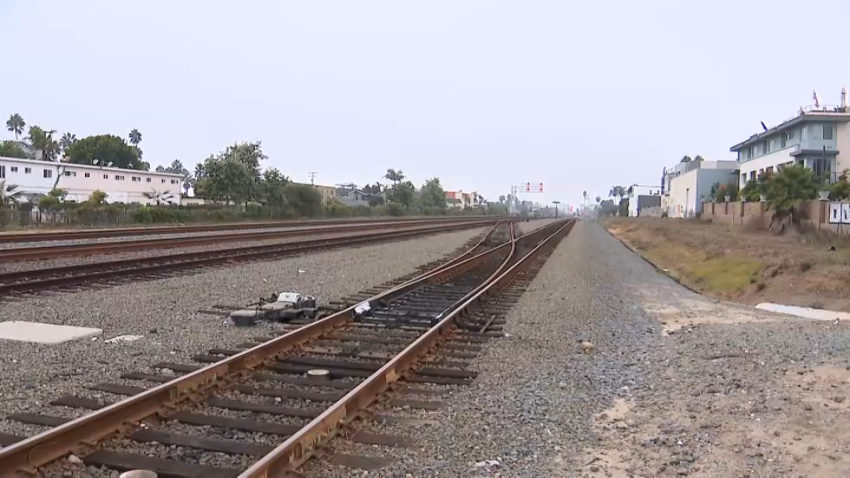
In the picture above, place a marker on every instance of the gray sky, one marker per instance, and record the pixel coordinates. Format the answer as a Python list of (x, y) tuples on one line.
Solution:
[(483, 94)]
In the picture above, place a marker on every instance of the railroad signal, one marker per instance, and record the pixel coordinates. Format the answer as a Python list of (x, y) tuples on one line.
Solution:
[(541, 187), (528, 187)]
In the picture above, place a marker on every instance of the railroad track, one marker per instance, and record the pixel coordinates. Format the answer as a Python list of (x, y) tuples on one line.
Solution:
[(159, 230), (67, 250), (264, 410), (104, 274)]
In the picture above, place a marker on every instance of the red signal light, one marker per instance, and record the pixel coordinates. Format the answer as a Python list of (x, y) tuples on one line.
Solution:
[(541, 187)]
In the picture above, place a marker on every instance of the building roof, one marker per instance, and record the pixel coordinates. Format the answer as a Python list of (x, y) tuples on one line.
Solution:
[(836, 114), (35, 162)]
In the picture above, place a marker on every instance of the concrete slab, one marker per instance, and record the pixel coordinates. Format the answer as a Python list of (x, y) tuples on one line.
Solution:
[(804, 312), (39, 333)]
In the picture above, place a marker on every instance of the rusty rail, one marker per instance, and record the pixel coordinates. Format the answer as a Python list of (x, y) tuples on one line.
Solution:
[(299, 447), (44, 252), (9, 238), (23, 458)]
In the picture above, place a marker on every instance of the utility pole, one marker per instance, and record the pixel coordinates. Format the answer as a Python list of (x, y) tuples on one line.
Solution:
[(312, 175), (556, 207)]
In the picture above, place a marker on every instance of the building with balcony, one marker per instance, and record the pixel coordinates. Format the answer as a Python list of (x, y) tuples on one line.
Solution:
[(37, 178), (817, 138), (686, 185)]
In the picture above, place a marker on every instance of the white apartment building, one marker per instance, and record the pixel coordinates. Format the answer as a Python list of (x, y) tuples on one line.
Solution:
[(37, 178), (686, 185), (818, 137)]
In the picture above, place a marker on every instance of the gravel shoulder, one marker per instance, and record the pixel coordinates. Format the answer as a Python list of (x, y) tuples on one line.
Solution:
[(165, 313), (677, 384)]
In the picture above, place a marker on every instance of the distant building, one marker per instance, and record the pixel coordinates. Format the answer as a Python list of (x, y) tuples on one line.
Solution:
[(643, 198), (687, 184), (37, 178), (818, 137), (460, 199), (353, 197)]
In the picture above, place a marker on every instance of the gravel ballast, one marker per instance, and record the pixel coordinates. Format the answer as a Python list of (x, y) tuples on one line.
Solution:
[(144, 253), (676, 384), (164, 312)]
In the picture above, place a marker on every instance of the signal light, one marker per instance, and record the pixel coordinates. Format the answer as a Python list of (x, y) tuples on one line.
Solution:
[(541, 187)]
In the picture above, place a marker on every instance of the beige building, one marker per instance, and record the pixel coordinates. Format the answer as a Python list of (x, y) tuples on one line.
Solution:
[(327, 192), (37, 178)]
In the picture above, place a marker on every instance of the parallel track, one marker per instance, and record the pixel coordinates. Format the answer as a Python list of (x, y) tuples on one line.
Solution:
[(417, 333), (63, 278), (157, 230), (67, 250)]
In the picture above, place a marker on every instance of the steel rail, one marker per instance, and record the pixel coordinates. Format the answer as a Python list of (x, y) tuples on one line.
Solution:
[(23, 458), (39, 279), (10, 238), (43, 252), (299, 447)]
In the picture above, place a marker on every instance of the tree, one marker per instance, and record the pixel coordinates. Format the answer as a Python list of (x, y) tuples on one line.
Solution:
[(784, 191), (8, 149), (135, 137), (273, 187), (16, 124), (177, 167), (105, 148), (97, 198), (698, 158), (395, 176), (67, 140), (432, 195), (304, 199), (502, 199), (685, 159), (402, 193), (233, 175), (159, 196), (598, 199), (584, 195), (9, 194), (42, 141)]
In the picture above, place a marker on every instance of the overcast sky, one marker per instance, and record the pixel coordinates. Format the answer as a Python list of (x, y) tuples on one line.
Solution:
[(482, 94)]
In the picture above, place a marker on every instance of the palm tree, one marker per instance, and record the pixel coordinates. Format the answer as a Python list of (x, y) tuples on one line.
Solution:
[(159, 197), (16, 124), (598, 199), (135, 137), (9, 194), (67, 140), (43, 141), (395, 176), (784, 190), (699, 158), (685, 159)]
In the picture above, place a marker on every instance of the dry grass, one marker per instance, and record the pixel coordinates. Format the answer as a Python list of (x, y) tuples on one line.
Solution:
[(742, 264)]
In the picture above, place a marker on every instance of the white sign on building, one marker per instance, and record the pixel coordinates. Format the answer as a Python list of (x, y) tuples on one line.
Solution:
[(839, 213)]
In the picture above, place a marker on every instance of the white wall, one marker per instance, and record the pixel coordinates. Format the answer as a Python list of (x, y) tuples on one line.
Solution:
[(773, 159), (79, 187), (638, 190), (688, 190), (842, 140)]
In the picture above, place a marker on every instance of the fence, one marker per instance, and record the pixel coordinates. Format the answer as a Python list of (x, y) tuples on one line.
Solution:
[(819, 215)]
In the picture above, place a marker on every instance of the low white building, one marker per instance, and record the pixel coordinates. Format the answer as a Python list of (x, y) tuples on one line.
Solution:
[(37, 178), (643, 197), (686, 185)]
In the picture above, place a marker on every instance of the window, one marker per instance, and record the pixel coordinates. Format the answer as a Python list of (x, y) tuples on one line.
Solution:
[(27, 170), (782, 140), (48, 173), (744, 178), (827, 131), (136, 179), (768, 169), (105, 176), (88, 175), (803, 134), (767, 146), (173, 181), (119, 177), (70, 173), (2, 172), (789, 136), (14, 169), (163, 181), (147, 180)]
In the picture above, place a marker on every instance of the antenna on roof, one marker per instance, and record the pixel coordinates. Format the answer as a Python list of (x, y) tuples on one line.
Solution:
[(763, 126), (109, 164), (95, 161)]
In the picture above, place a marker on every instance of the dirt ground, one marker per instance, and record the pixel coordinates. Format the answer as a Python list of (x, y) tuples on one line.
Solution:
[(741, 265)]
